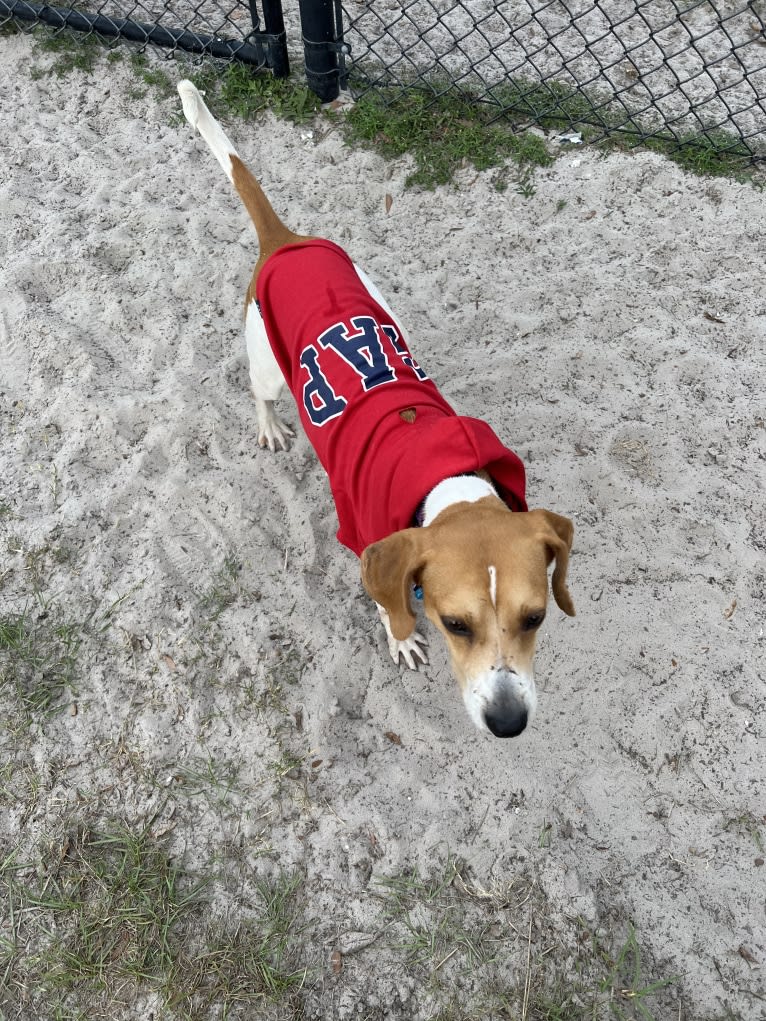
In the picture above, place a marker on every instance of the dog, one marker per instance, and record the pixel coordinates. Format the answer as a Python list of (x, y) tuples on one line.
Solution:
[(432, 502)]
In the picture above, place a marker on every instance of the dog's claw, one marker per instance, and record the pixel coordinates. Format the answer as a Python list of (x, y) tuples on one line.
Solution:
[(411, 650), (275, 435), (272, 431)]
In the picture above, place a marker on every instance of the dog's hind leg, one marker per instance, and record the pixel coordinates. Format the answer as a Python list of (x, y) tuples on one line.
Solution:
[(267, 382)]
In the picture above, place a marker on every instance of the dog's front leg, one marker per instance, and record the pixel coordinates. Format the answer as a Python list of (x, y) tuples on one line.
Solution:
[(412, 649)]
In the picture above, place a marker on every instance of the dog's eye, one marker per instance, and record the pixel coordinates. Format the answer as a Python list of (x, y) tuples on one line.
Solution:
[(455, 626), (534, 620)]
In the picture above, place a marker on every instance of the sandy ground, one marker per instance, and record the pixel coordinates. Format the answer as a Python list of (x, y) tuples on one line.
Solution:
[(611, 329)]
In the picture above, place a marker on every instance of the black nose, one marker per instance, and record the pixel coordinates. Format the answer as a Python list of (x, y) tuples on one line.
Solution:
[(506, 720)]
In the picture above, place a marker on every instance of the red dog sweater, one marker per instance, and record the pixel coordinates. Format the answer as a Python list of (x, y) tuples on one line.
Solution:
[(352, 375)]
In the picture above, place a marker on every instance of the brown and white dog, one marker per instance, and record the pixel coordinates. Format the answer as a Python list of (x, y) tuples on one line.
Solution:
[(479, 567)]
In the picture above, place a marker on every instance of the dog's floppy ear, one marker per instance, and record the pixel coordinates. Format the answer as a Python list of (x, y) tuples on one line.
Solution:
[(388, 570), (558, 535)]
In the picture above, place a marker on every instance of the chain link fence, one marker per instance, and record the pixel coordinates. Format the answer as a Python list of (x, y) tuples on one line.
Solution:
[(688, 72), (680, 71)]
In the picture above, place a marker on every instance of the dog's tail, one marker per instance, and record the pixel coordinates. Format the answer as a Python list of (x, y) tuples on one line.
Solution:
[(272, 233), (198, 115)]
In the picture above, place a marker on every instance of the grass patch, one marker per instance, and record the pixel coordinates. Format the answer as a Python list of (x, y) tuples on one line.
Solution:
[(498, 944), (106, 919), (554, 105), (236, 89), (41, 643), (442, 134), (216, 781), (71, 51), (223, 591), (245, 966), (626, 985), (747, 825), (99, 917), (604, 120), (38, 660), (10, 28), (715, 154), (443, 926), (410, 118), (401, 892), (246, 94), (151, 76)]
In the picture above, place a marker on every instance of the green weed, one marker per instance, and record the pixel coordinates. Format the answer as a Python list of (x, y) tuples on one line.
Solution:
[(106, 918), (747, 825), (38, 660), (628, 988), (72, 51), (431, 921), (600, 118), (544, 840), (285, 765), (396, 120), (442, 126), (713, 154), (444, 923), (101, 916), (441, 133), (402, 892), (244, 966), (153, 77), (40, 645), (237, 90), (216, 781), (223, 591)]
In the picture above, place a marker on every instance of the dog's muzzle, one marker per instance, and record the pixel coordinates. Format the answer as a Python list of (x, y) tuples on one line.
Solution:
[(501, 701)]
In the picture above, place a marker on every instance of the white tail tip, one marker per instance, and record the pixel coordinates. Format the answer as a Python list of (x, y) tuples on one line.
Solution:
[(198, 115), (191, 100)]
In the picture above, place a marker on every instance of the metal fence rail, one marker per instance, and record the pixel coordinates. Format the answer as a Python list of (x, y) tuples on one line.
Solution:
[(683, 70), (230, 30)]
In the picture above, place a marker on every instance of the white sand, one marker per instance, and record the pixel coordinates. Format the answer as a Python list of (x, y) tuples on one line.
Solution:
[(588, 337)]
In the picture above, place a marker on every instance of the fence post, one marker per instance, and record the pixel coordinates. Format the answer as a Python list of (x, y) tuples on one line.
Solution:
[(274, 24), (320, 47)]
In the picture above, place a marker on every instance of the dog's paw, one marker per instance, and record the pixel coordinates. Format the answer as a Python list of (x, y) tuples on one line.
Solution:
[(272, 431), (275, 435), (412, 650)]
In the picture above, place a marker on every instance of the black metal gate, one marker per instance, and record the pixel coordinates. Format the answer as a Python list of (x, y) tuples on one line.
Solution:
[(238, 32)]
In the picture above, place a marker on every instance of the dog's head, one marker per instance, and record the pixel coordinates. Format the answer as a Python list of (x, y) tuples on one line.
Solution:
[(484, 575)]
